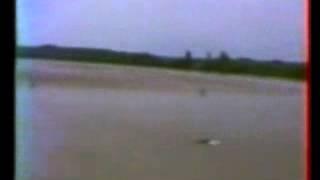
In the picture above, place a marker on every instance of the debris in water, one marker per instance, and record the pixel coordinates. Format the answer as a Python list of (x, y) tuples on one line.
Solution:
[(207, 141), (203, 92), (32, 84)]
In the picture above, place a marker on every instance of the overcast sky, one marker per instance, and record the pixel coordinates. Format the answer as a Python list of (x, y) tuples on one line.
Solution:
[(263, 29)]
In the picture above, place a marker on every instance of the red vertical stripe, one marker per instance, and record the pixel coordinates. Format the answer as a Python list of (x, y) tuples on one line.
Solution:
[(307, 108)]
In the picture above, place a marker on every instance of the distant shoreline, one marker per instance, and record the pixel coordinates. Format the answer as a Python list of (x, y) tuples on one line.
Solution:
[(241, 66)]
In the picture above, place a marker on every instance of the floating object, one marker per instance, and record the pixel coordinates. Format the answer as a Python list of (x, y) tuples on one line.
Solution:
[(32, 84), (202, 92), (212, 142)]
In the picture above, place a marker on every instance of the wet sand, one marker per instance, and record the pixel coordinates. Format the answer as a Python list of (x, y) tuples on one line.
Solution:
[(114, 122)]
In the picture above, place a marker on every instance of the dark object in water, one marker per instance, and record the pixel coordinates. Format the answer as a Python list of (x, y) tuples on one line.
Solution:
[(32, 84), (203, 141), (208, 141), (32, 79), (203, 92)]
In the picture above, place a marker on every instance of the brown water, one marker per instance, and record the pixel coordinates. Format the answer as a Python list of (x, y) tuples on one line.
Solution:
[(113, 122)]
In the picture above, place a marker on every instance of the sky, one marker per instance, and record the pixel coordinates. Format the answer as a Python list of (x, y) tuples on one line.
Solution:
[(260, 29)]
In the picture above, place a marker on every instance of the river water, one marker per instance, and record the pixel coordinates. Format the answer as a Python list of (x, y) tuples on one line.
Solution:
[(71, 131)]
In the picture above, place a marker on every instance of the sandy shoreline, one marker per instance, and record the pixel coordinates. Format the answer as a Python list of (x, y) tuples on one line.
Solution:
[(113, 122)]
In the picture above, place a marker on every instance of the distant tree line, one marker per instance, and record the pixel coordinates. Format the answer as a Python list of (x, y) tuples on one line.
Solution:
[(221, 64)]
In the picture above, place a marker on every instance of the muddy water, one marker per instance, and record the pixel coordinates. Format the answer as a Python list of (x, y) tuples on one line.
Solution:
[(89, 131)]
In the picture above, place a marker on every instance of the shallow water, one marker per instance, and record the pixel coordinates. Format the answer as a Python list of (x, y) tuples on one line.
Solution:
[(23, 121), (81, 132)]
